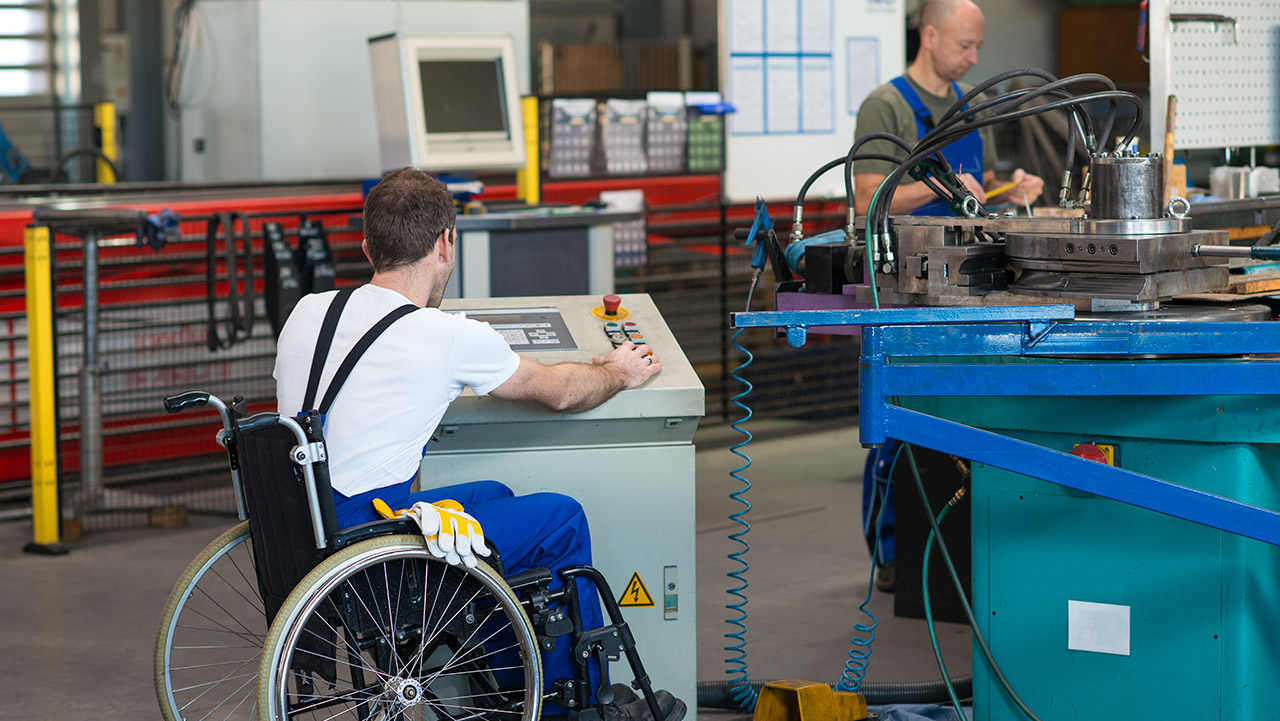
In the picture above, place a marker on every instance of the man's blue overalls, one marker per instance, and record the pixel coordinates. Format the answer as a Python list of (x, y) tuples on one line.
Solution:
[(546, 530), (965, 156)]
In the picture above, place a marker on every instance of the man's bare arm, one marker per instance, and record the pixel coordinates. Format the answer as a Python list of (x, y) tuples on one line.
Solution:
[(578, 387)]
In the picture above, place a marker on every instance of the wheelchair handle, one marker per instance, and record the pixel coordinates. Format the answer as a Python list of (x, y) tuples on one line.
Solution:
[(182, 401)]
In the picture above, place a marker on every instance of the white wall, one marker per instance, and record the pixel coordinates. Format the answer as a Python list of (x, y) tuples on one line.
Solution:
[(1020, 34), (281, 89)]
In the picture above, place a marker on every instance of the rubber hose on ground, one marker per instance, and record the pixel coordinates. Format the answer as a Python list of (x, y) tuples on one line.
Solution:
[(715, 694)]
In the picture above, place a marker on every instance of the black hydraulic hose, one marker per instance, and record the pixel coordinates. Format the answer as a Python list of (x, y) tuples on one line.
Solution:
[(851, 157), (940, 138), (716, 694), (1080, 118), (804, 189), (59, 170), (1067, 101), (1022, 96)]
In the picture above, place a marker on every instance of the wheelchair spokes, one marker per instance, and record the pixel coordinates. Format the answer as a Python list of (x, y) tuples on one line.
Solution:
[(211, 635), (384, 631)]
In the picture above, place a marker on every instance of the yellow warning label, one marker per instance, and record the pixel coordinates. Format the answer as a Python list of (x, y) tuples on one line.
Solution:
[(636, 594)]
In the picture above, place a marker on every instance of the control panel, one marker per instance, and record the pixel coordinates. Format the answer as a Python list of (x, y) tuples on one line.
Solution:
[(527, 329), (629, 462)]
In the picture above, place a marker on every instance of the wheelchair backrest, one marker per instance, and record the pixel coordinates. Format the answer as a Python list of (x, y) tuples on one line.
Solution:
[(283, 513)]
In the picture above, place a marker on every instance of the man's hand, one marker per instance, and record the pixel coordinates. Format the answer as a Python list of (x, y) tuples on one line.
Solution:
[(1028, 189), (973, 184), (572, 387), (635, 364)]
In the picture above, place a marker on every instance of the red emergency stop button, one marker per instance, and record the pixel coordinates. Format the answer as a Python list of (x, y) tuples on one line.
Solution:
[(1091, 452), (611, 304)]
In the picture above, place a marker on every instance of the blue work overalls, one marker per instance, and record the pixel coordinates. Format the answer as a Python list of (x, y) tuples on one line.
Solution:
[(964, 155)]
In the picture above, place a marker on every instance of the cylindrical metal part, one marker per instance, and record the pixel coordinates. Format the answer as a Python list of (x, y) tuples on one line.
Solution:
[(90, 376), (1126, 187)]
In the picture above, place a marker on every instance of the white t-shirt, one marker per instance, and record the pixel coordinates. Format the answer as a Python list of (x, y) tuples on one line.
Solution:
[(398, 391)]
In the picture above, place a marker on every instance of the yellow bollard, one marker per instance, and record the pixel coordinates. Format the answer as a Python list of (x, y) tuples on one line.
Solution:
[(104, 117), (529, 178), (44, 419), (795, 700)]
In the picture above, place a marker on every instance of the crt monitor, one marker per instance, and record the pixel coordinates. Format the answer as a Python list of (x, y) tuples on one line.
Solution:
[(447, 102)]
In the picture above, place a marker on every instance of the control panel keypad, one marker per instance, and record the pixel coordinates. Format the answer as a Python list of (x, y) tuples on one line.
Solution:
[(621, 332)]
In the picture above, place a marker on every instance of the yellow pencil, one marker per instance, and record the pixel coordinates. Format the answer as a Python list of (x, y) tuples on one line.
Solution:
[(1003, 189)]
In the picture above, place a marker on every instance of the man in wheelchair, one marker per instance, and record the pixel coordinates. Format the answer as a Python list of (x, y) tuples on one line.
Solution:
[(413, 360)]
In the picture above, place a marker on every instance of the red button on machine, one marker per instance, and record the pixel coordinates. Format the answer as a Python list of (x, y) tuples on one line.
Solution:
[(611, 304), (1090, 452)]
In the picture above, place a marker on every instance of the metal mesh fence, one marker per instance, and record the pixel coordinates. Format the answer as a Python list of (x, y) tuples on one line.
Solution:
[(152, 341), (154, 315)]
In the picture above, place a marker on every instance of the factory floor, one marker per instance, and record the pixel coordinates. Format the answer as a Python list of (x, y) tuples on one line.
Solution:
[(78, 631)]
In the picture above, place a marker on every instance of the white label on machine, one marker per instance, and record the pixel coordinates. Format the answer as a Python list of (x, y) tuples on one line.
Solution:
[(1098, 627)]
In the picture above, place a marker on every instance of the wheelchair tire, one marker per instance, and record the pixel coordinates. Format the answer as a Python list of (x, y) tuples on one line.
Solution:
[(383, 630), (211, 635)]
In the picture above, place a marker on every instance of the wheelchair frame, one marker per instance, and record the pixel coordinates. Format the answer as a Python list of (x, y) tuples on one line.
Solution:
[(369, 638)]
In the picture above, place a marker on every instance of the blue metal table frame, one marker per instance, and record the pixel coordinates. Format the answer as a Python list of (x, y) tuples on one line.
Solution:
[(1158, 359)]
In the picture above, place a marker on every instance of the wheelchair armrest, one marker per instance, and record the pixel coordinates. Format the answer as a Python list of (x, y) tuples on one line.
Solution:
[(257, 422), (374, 529)]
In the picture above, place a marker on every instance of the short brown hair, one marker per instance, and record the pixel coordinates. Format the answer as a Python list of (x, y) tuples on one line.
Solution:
[(403, 216)]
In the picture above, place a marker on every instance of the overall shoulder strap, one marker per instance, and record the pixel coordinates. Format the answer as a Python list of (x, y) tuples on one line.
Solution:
[(325, 339), (955, 87), (358, 350), (923, 117)]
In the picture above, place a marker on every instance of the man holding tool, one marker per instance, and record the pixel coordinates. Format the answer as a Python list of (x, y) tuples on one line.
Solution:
[(951, 32)]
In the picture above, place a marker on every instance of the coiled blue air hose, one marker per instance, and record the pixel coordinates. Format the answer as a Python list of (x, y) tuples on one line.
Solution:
[(740, 689)]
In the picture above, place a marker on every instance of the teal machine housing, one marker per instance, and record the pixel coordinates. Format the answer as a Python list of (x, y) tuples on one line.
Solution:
[(1098, 609), (1149, 590)]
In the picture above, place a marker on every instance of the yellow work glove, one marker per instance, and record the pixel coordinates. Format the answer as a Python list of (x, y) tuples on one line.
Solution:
[(451, 533)]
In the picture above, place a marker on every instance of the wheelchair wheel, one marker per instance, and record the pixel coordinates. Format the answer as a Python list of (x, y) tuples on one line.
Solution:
[(211, 635), (383, 630)]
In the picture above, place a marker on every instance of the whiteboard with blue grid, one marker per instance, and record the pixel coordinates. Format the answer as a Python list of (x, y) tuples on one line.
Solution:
[(789, 70)]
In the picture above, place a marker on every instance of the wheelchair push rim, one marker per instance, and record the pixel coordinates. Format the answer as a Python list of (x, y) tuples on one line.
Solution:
[(382, 630), (209, 643)]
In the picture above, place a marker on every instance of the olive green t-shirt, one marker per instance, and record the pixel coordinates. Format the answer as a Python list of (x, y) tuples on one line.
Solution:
[(886, 111)]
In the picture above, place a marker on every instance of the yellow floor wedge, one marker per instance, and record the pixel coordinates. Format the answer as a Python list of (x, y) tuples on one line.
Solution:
[(808, 701)]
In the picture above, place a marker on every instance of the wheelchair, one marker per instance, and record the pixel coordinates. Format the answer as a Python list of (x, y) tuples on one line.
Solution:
[(283, 616)]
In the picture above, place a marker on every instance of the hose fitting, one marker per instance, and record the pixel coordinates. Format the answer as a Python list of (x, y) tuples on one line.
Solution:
[(797, 223), (1064, 196)]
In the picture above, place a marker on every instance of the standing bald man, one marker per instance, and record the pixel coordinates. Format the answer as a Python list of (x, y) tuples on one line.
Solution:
[(951, 32)]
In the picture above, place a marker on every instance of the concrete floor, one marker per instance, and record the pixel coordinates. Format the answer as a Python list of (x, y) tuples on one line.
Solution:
[(78, 631)]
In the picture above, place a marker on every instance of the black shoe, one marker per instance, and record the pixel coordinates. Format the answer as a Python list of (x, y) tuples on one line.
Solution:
[(623, 694), (886, 577), (672, 708)]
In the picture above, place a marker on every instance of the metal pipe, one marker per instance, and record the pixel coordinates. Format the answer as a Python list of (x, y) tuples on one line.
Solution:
[(1259, 252), (90, 378)]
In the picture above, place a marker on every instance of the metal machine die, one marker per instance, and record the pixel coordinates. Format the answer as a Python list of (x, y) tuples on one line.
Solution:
[(1126, 249)]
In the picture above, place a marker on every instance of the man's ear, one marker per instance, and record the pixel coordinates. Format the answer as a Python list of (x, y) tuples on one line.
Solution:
[(364, 246), (928, 37), (444, 249)]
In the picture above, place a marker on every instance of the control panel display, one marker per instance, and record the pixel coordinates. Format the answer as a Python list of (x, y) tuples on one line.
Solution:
[(527, 329)]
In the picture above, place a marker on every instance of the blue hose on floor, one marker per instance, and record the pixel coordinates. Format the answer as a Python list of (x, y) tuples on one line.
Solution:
[(740, 689), (855, 668)]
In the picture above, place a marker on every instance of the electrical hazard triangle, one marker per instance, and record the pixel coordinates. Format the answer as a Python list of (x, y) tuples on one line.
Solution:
[(636, 594)]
